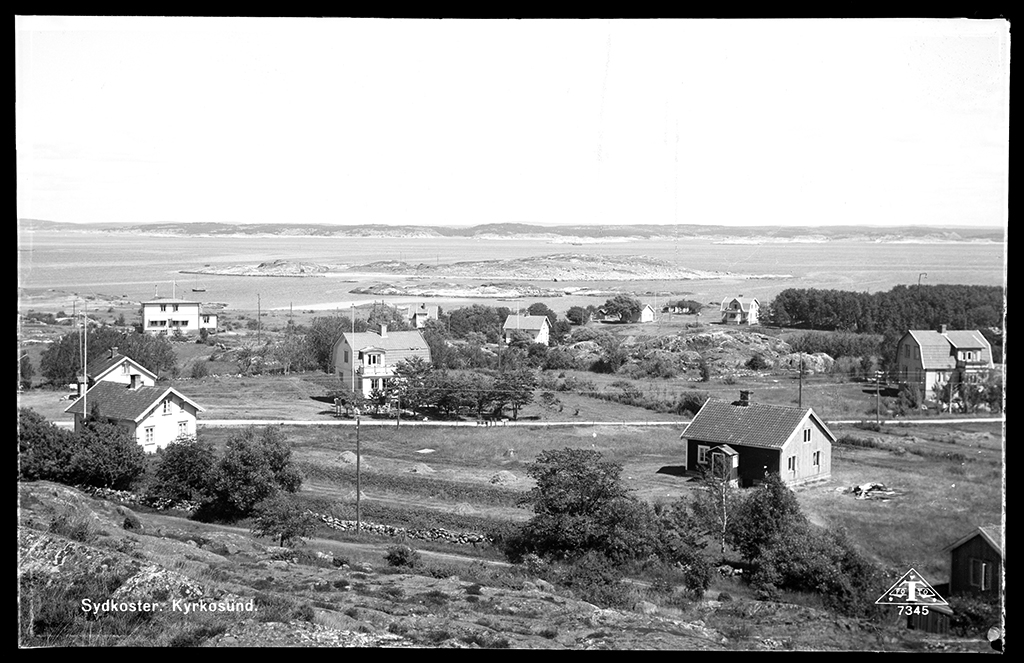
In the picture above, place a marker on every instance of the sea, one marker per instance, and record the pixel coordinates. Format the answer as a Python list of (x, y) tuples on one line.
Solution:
[(137, 267)]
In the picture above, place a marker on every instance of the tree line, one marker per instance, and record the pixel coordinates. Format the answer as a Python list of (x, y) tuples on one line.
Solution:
[(901, 308)]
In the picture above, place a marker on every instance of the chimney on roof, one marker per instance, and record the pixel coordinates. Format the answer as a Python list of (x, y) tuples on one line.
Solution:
[(745, 398), (942, 329), (113, 351), (136, 381), (383, 331)]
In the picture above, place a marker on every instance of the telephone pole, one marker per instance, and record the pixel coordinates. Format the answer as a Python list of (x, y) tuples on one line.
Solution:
[(259, 322), (358, 473), (800, 397)]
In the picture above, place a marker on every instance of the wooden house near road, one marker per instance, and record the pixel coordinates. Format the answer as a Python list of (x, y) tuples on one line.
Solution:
[(115, 367), (154, 416), (366, 361), (926, 358), (749, 440)]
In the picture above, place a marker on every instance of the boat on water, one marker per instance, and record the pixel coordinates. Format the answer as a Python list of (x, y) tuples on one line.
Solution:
[(197, 288)]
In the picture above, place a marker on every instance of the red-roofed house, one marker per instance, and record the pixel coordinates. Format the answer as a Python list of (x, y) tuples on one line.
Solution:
[(756, 439), (740, 310), (976, 563), (927, 358), (366, 361), (537, 326), (153, 415)]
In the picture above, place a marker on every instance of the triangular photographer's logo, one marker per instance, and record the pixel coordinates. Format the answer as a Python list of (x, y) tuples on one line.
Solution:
[(911, 589)]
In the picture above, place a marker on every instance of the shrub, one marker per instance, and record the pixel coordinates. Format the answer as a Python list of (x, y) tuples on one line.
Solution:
[(691, 402), (74, 528), (106, 456), (200, 369), (973, 615), (184, 470), (758, 363), (402, 555), (44, 451), (595, 578), (284, 519), (764, 514)]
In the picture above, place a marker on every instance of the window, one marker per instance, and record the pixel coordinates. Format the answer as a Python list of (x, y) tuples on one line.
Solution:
[(163, 307), (346, 356), (184, 323), (374, 384), (175, 307), (206, 319), (702, 454), (906, 351), (167, 407), (807, 435), (791, 464), (150, 436), (981, 574), (124, 368), (917, 353), (182, 428), (817, 459), (372, 359)]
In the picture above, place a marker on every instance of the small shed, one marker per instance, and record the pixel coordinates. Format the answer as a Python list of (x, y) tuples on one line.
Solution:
[(936, 621), (976, 563)]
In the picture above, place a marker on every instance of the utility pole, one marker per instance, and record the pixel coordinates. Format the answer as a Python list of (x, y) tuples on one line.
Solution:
[(259, 322), (352, 357), (800, 397), (358, 474), (878, 391)]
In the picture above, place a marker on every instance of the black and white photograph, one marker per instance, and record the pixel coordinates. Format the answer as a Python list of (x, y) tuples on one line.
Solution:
[(564, 334)]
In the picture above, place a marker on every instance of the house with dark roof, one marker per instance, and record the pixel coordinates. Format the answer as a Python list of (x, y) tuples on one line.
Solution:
[(537, 326), (154, 416), (976, 563), (753, 439), (366, 361), (166, 315), (927, 358), (115, 367), (740, 310)]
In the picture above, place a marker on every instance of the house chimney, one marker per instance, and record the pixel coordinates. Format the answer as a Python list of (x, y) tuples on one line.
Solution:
[(136, 382), (383, 331), (113, 351), (745, 398), (942, 329)]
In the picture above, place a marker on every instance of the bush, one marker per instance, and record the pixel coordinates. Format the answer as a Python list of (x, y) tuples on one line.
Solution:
[(402, 555), (595, 579), (184, 470), (200, 369), (44, 450), (282, 518), (691, 402), (973, 615), (758, 363), (106, 456), (765, 513), (74, 528), (254, 467)]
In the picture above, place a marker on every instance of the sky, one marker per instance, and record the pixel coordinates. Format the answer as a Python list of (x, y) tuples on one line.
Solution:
[(460, 122)]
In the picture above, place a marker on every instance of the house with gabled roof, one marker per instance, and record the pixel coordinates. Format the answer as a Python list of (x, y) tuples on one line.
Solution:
[(976, 563), (756, 439), (366, 361), (418, 316), (154, 415), (645, 314), (926, 358), (740, 310), (115, 367), (537, 326)]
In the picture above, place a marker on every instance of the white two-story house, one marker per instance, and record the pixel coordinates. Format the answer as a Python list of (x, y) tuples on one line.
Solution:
[(163, 316), (536, 326), (366, 361), (740, 310)]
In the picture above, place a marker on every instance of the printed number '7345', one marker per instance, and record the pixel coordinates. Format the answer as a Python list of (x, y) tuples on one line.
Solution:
[(913, 610)]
